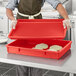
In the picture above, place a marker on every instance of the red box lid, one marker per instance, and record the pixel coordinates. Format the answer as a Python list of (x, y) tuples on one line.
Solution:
[(38, 28)]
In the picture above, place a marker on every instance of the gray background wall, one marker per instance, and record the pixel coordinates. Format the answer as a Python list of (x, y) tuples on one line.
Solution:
[(74, 5)]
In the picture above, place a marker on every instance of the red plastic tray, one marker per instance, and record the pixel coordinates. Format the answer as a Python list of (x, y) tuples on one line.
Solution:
[(24, 47), (28, 33), (39, 28)]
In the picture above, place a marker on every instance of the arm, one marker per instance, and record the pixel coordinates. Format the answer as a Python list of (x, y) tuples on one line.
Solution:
[(12, 4), (62, 11), (58, 6), (9, 14)]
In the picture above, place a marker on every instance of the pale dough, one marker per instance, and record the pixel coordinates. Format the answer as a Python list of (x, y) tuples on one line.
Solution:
[(55, 48), (41, 46), (37, 48), (52, 50), (45, 46)]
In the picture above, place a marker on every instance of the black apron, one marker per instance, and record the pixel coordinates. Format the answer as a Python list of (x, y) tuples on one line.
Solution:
[(29, 7)]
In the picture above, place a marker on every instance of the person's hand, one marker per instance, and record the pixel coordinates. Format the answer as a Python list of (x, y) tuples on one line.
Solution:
[(13, 25), (67, 23)]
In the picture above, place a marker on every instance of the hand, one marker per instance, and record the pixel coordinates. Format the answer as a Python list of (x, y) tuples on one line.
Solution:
[(13, 25), (67, 23)]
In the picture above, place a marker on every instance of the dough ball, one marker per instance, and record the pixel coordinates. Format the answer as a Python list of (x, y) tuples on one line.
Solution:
[(41, 46), (56, 47), (52, 50), (37, 48)]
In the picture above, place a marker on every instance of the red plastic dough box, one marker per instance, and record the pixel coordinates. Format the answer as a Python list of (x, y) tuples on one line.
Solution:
[(28, 33)]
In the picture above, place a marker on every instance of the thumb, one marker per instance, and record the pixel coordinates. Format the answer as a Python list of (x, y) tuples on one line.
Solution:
[(14, 26), (14, 22), (64, 24)]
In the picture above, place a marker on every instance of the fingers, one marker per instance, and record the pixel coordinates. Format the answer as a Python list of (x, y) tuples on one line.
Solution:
[(68, 27), (13, 25), (64, 25), (67, 24)]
